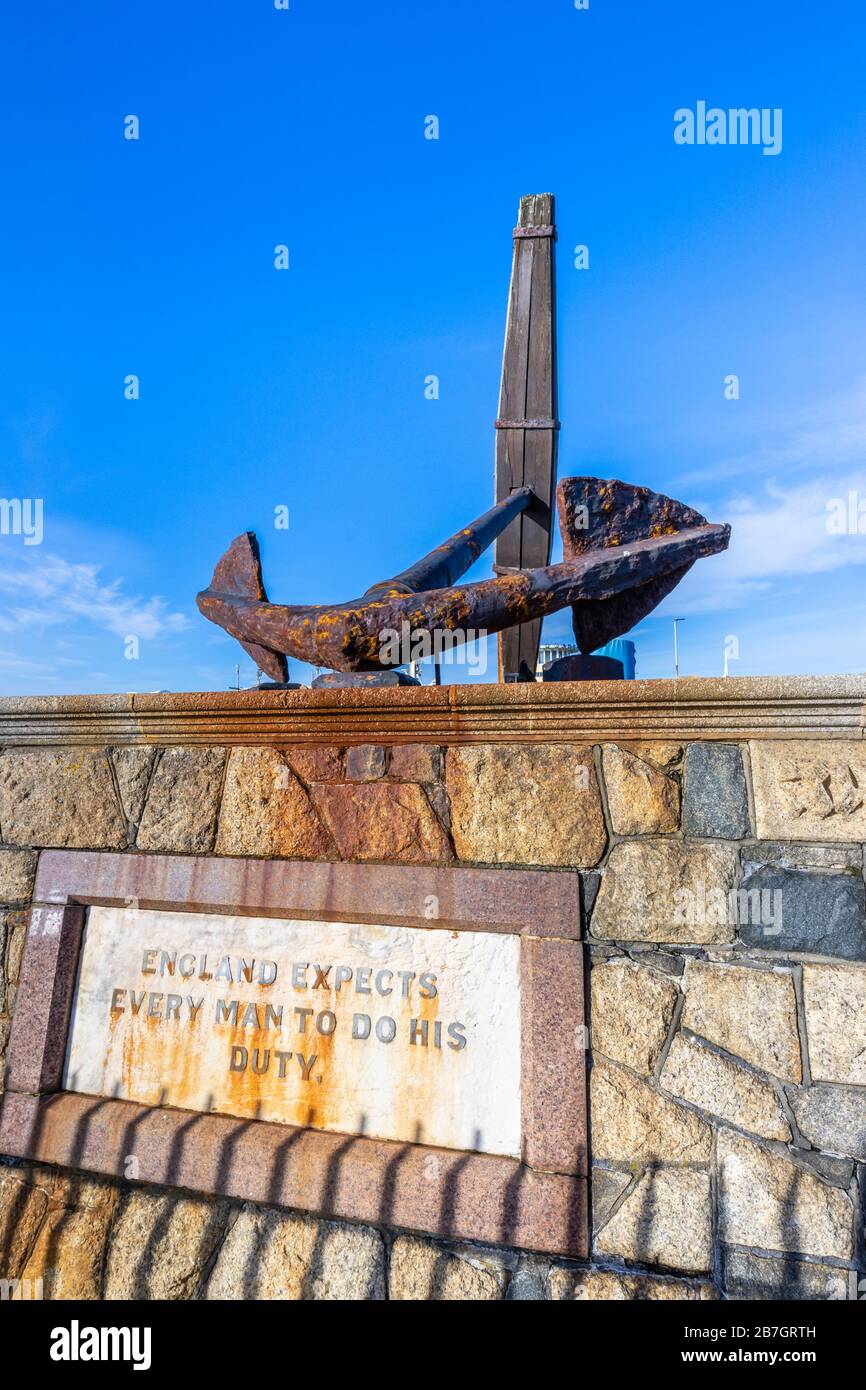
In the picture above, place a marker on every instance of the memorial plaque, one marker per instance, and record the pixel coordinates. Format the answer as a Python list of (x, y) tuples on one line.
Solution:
[(307, 1035), (396, 1032)]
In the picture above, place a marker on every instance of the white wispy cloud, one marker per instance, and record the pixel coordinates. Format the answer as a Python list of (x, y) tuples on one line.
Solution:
[(778, 501), (11, 663), (778, 535), (39, 590), (823, 435)]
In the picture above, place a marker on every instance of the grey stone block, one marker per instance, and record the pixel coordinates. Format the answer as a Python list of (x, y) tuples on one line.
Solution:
[(607, 1187), (751, 1276), (366, 763), (838, 1171), (589, 885), (715, 802), (833, 1118), (788, 854), (818, 913)]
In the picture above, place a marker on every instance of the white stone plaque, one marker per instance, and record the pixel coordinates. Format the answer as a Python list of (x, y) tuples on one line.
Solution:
[(402, 1033)]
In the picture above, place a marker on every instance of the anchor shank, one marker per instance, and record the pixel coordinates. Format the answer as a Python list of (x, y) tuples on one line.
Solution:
[(443, 566)]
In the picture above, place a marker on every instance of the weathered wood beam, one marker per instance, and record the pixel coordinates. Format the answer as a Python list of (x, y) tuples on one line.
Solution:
[(526, 433)]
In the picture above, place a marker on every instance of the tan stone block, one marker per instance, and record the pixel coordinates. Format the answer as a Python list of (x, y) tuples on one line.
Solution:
[(60, 1223), (267, 811), (16, 928), (661, 754), (17, 872), (269, 1254), (389, 821), (641, 799), (631, 1123), (415, 762), (79, 1191), (132, 768), (317, 764), (424, 1271), (666, 890), (752, 1013), (704, 1078), (632, 1010), (666, 1220), (607, 1285), (525, 804), (180, 812), (160, 1245), (809, 790), (769, 1202), (59, 798), (835, 1006), (23, 1205), (69, 1253)]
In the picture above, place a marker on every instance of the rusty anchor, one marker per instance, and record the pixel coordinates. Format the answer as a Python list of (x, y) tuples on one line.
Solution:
[(625, 548)]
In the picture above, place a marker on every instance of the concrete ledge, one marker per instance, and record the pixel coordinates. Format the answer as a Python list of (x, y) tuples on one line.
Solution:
[(766, 707)]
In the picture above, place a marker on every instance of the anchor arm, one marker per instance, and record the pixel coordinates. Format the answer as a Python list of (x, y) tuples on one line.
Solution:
[(450, 560)]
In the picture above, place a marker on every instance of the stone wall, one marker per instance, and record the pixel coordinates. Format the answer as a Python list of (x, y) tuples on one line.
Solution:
[(725, 924)]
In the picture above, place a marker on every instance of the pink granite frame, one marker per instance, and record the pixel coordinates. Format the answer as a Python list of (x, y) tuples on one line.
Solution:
[(538, 1202)]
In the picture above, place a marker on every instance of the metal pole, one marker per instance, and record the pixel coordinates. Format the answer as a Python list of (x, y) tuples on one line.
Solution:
[(676, 647)]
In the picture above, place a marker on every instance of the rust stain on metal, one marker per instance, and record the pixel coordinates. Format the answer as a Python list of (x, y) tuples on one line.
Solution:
[(625, 549)]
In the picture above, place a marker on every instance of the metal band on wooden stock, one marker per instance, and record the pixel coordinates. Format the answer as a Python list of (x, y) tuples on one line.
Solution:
[(548, 231), (544, 422)]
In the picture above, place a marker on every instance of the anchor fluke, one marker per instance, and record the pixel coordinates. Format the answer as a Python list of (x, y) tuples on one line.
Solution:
[(239, 574)]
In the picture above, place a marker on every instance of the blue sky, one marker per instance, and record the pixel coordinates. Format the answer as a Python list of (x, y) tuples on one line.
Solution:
[(305, 388)]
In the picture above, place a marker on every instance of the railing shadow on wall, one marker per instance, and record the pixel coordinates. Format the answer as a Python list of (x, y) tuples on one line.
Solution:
[(147, 1262), (448, 1212), (15, 1212), (327, 1205), (74, 1177), (330, 1185)]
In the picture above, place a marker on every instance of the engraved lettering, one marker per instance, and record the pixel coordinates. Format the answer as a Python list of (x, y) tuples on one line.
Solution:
[(227, 1013)]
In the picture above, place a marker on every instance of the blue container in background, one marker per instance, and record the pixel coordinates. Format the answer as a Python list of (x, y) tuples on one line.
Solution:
[(621, 649)]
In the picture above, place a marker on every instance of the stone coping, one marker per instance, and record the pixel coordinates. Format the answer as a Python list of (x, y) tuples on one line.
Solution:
[(759, 707)]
